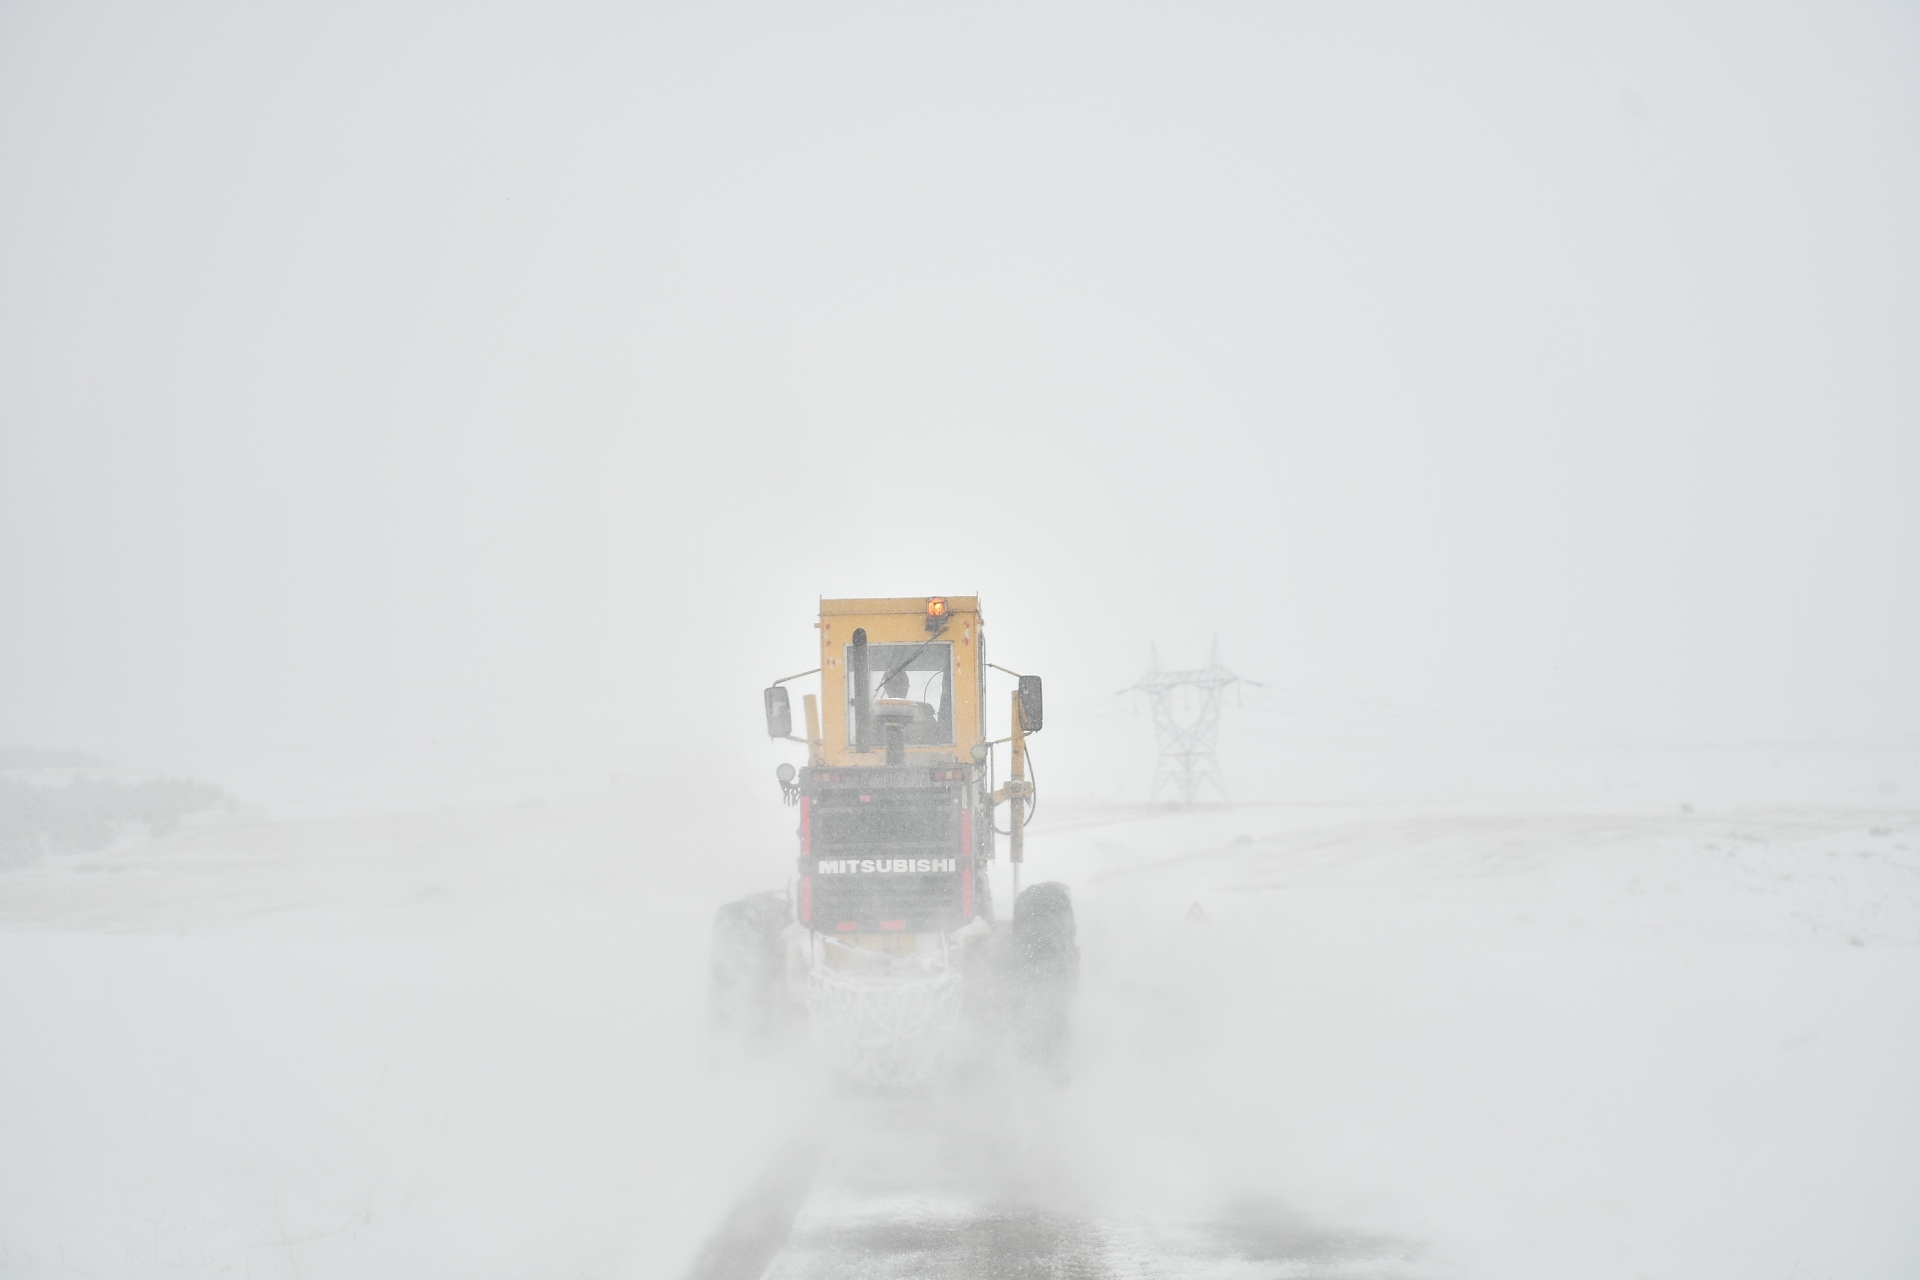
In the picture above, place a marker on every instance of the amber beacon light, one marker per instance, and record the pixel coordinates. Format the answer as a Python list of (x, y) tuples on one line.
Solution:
[(936, 611)]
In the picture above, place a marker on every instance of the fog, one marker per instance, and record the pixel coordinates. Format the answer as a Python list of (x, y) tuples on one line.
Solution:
[(432, 425)]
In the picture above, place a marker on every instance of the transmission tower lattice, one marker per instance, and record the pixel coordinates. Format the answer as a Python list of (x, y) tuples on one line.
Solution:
[(1186, 724)]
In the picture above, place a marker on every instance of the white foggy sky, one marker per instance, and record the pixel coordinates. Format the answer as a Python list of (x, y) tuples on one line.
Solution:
[(377, 380)]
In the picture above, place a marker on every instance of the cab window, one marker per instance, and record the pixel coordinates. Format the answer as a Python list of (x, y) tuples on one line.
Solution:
[(911, 686)]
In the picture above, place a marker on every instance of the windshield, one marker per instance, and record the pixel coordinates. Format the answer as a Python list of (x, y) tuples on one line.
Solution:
[(911, 686)]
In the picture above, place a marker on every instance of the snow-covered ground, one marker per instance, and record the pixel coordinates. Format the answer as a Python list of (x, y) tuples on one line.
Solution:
[(1540, 1043), (461, 1043), (1490, 1042)]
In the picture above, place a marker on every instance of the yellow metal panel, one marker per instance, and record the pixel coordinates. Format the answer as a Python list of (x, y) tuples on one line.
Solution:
[(1016, 823), (812, 705)]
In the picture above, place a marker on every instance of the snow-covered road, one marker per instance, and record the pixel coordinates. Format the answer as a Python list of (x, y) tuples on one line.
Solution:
[(945, 1187), (1383, 1040)]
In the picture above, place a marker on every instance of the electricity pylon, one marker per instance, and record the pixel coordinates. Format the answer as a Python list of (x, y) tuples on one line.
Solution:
[(1186, 724)]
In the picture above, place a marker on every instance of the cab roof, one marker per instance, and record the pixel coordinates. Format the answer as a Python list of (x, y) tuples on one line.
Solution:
[(916, 605)]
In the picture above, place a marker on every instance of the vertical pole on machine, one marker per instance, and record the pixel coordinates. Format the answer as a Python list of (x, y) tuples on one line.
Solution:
[(814, 754), (1016, 815)]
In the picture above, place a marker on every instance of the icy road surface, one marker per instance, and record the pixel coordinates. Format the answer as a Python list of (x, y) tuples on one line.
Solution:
[(937, 1187), (1311, 1042)]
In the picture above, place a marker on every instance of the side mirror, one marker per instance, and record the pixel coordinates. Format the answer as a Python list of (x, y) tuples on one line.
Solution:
[(1030, 704), (779, 713)]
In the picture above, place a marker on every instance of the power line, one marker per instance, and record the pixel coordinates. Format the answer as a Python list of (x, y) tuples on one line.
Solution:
[(1341, 712)]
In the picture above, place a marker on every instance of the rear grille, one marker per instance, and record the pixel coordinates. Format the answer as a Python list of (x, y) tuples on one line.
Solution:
[(847, 823), (894, 823), (869, 902)]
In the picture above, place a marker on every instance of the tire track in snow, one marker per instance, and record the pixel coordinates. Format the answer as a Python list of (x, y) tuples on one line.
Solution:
[(757, 1226)]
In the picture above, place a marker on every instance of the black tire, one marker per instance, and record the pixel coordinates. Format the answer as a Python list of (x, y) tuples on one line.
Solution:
[(1042, 973), (747, 1001)]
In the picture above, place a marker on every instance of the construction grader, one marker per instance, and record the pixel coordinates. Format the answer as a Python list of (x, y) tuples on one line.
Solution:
[(885, 951)]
